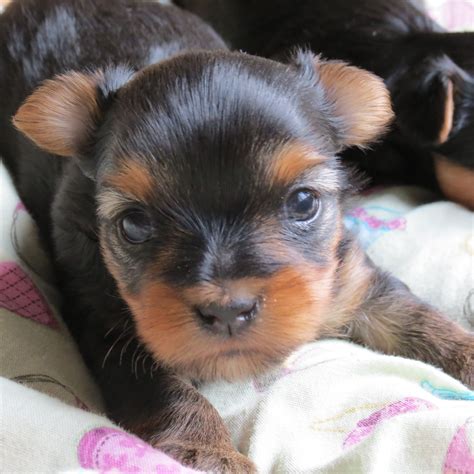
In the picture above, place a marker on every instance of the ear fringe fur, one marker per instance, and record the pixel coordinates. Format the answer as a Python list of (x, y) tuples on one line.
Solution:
[(356, 101), (63, 113)]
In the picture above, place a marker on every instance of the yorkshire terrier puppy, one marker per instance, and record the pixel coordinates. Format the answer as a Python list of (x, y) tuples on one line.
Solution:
[(429, 72), (192, 201)]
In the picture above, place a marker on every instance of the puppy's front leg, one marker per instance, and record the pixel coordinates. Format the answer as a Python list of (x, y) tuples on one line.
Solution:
[(380, 312), (172, 416)]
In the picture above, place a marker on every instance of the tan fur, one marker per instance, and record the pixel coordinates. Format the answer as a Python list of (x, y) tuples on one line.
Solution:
[(397, 323), (292, 161), (292, 304), (456, 182), (448, 115), (378, 325), (360, 98), (132, 179), (353, 278), (295, 159), (207, 458), (60, 115)]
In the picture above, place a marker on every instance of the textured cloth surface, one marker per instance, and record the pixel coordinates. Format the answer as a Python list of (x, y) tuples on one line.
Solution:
[(43, 435), (335, 407), (428, 245)]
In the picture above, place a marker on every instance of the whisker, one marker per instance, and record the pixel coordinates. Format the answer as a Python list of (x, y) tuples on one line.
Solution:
[(135, 353), (135, 365), (125, 347), (113, 327), (122, 334)]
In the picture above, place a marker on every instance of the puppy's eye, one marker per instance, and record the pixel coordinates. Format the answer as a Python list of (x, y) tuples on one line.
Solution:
[(302, 205), (136, 227)]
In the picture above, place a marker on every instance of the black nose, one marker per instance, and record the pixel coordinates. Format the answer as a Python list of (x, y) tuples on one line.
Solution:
[(229, 319)]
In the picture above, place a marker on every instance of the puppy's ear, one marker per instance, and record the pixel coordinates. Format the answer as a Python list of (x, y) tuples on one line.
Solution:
[(62, 115), (424, 99), (356, 101)]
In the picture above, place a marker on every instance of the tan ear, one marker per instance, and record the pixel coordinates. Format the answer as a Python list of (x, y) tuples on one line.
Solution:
[(60, 116), (359, 99), (447, 114)]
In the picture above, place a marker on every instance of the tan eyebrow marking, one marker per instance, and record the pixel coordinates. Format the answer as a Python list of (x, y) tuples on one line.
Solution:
[(132, 179), (293, 160), (296, 159)]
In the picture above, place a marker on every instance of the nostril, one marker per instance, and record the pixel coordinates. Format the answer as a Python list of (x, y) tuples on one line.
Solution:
[(249, 314), (206, 318), (237, 313)]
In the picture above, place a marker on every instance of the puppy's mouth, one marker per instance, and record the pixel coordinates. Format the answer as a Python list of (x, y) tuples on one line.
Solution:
[(233, 353), (249, 326)]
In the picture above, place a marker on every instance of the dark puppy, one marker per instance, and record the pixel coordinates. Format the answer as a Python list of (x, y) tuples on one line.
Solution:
[(196, 225), (429, 72)]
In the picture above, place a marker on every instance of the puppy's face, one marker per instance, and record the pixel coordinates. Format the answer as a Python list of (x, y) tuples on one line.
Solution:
[(219, 197)]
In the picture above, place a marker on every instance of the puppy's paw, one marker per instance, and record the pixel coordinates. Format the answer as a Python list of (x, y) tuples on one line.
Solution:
[(467, 370), (459, 359), (207, 458)]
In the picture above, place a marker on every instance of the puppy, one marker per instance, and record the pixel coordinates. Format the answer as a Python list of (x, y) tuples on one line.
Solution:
[(429, 72), (192, 201)]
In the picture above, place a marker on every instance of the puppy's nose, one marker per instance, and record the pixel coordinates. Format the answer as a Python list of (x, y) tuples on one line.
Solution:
[(229, 319)]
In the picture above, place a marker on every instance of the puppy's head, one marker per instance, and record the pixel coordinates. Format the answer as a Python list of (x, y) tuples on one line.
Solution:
[(218, 194)]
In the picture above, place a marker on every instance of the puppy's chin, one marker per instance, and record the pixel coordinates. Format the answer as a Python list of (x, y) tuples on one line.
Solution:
[(232, 360), (232, 365), (294, 304)]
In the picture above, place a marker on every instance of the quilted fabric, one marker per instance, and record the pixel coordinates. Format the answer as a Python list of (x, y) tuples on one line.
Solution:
[(19, 295)]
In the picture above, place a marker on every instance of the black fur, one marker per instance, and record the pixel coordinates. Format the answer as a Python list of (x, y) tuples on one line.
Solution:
[(42, 38), (393, 38)]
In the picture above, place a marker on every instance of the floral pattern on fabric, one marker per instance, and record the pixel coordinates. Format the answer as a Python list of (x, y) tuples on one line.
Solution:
[(460, 455), (108, 450), (370, 222), (367, 425)]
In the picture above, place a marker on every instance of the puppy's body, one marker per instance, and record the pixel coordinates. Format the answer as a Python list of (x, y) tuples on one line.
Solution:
[(429, 72), (193, 209)]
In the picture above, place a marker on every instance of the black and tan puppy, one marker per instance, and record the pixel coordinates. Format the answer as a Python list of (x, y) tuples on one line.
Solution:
[(192, 202), (429, 72)]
